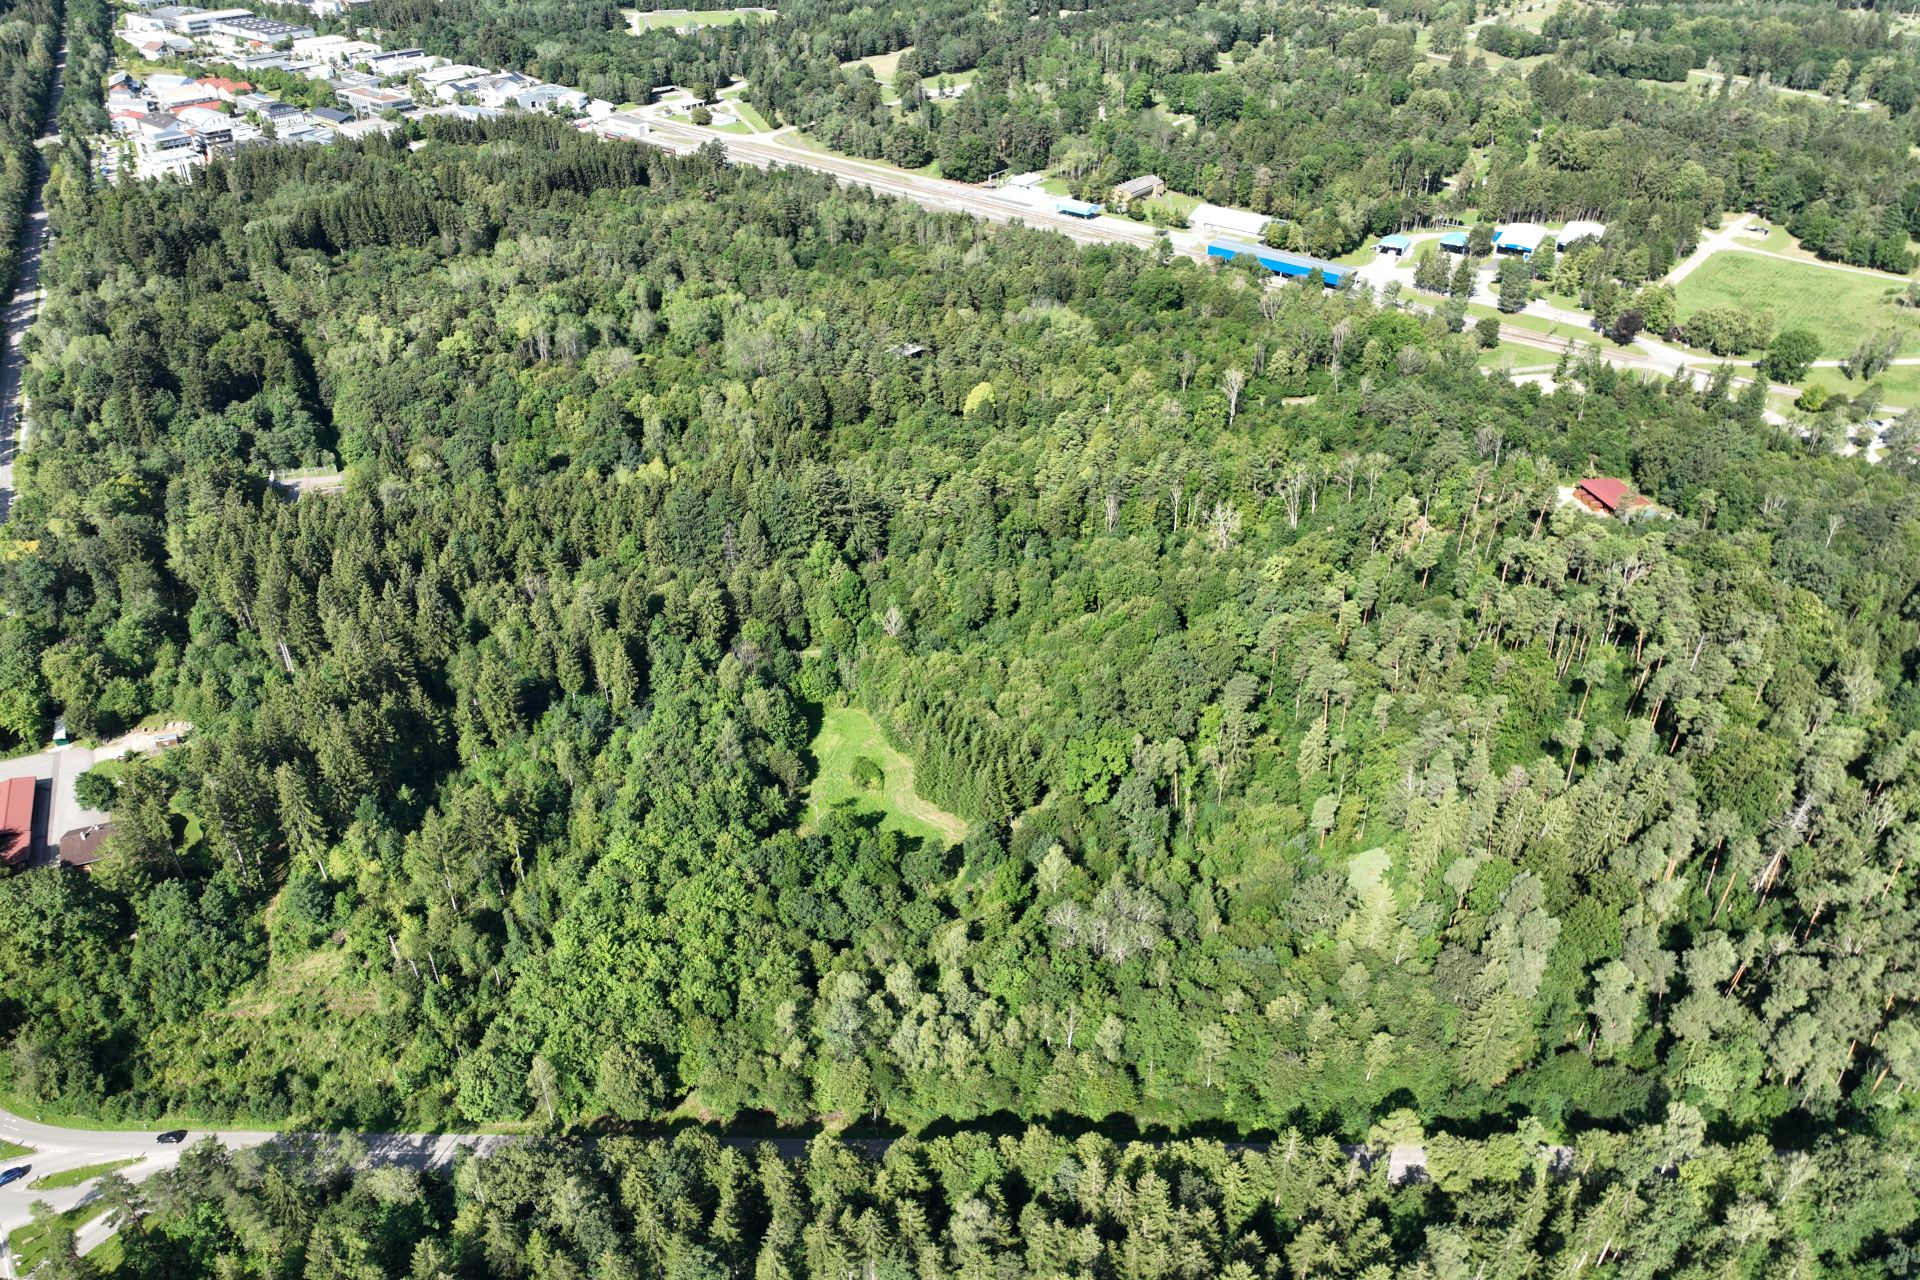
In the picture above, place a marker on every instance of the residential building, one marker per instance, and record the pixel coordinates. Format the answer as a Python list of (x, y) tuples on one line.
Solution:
[(82, 846), (211, 130), (267, 108), (226, 90)]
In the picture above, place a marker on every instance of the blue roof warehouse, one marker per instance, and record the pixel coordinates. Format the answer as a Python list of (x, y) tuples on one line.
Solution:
[(1294, 266)]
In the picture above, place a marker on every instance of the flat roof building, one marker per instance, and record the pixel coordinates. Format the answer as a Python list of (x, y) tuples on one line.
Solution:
[(1519, 237), (1078, 208), (1218, 219), (1293, 266), (1579, 229)]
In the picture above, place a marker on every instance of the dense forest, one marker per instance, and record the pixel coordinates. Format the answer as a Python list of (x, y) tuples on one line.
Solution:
[(1658, 1201), (29, 47), (1328, 779)]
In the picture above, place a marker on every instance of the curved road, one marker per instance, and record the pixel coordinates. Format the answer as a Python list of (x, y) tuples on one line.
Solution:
[(55, 1150), (24, 306)]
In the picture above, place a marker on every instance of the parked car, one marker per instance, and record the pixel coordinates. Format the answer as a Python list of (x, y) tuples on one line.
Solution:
[(172, 1135), (15, 1174)]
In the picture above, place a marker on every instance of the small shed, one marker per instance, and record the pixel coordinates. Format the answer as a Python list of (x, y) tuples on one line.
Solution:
[(1078, 208), (1519, 237), (1147, 186), (1397, 245), (1577, 230), (1454, 242)]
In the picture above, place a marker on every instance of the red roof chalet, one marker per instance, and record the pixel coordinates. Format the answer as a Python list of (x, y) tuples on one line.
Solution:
[(1603, 495)]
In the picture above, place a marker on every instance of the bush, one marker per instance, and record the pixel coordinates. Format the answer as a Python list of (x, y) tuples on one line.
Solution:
[(1486, 332), (866, 774), (94, 790)]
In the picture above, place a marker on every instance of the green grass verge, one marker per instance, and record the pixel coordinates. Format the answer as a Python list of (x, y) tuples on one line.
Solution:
[(30, 1244), (848, 734), (753, 118), (13, 1151), (1837, 307), (1538, 324), (85, 1173)]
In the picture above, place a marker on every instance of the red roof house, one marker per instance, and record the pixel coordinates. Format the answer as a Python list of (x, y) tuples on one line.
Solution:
[(16, 821), (1604, 495)]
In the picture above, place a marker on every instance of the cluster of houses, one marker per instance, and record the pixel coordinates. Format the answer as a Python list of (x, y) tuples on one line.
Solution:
[(168, 124)]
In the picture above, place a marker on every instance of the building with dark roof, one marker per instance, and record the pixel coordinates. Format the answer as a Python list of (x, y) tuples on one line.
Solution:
[(81, 847)]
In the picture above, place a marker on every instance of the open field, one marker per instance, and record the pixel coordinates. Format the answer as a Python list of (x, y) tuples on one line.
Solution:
[(639, 20), (1899, 386), (1512, 355), (85, 1173), (1838, 307), (848, 734), (883, 65)]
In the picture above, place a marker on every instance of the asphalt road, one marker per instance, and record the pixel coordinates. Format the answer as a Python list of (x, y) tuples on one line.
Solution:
[(56, 1149), (25, 304)]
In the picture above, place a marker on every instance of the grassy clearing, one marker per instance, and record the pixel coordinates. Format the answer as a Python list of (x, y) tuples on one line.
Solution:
[(654, 20), (13, 1151), (847, 735), (1899, 386), (85, 1173), (883, 65), (1539, 324), (29, 1244), (755, 121), (1513, 355), (1837, 307)]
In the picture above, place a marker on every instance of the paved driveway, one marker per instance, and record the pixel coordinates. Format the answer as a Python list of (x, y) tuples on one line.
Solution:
[(56, 810)]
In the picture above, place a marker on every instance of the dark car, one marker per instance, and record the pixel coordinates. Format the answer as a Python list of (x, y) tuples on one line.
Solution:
[(172, 1135), (15, 1174)]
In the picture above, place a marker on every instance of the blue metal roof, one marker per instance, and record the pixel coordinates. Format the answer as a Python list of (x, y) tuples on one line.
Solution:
[(1078, 208), (1454, 240), (1279, 261), (1396, 242)]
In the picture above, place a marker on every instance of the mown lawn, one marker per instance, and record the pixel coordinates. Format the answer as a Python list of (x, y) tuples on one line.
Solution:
[(85, 1173), (848, 734), (13, 1151), (1837, 307)]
